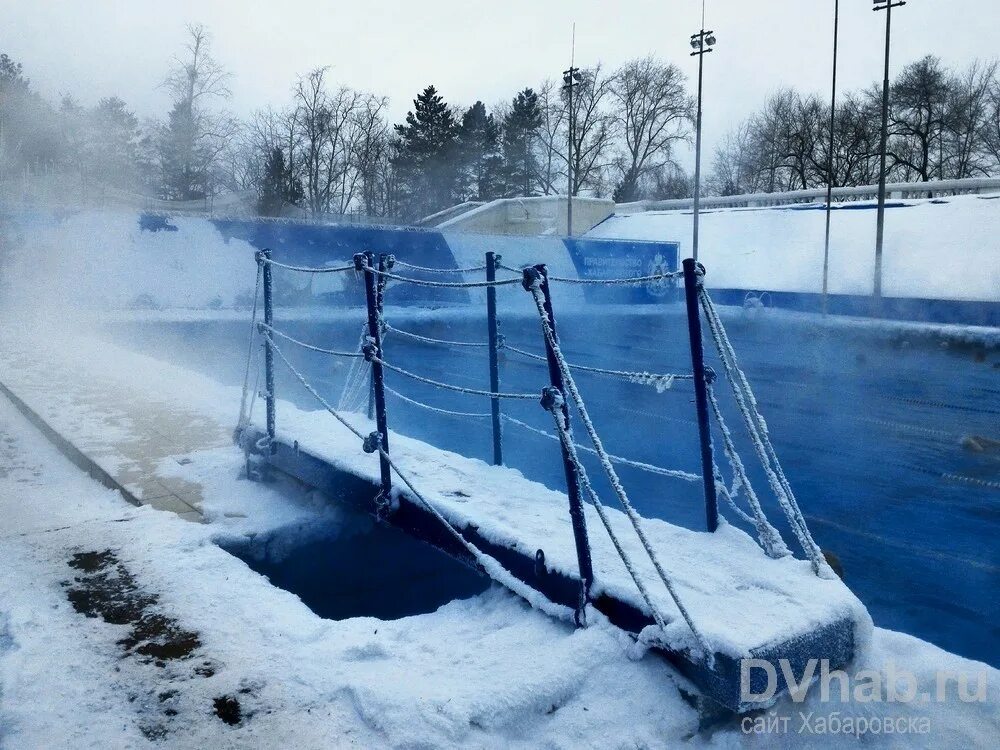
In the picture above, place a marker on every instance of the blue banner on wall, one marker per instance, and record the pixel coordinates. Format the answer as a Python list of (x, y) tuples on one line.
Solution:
[(620, 259)]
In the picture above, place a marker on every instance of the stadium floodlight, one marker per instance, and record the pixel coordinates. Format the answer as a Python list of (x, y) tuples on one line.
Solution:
[(701, 42), (887, 6)]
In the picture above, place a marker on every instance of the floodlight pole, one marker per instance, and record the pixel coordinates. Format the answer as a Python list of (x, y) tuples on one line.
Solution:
[(571, 78), (701, 42), (829, 164), (887, 6)]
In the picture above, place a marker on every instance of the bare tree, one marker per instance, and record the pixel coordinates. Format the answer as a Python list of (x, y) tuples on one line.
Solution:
[(967, 152), (371, 156), (918, 103), (551, 140), (652, 111), (594, 130), (194, 138)]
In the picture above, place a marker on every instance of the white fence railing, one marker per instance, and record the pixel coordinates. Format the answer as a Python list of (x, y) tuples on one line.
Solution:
[(896, 190)]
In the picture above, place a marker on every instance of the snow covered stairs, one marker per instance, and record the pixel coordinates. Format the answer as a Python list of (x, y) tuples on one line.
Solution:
[(747, 605)]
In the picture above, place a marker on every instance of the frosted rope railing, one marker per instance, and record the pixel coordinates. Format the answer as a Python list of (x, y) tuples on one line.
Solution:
[(309, 269), (567, 442), (770, 538), (612, 282), (427, 269), (311, 347), (449, 386), (253, 329), (609, 470), (484, 562), (358, 376), (436, 409), (446, 284), (430, 340), (620, 460), (660, 381), (757, 429)]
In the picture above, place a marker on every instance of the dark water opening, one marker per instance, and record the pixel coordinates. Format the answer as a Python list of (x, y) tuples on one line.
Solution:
[(371, 571)]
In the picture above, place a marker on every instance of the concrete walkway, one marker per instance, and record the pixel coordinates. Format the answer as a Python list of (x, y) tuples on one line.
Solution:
[(123, 432)]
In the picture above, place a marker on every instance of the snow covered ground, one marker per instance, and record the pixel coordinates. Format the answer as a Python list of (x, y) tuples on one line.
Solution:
[(947, 248), (485, 672)]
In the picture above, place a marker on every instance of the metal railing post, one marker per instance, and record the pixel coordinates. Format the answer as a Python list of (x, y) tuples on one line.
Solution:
[(576, 514), (494, 341), (384, 262), (374, 345), (702, 377), (263, 257)]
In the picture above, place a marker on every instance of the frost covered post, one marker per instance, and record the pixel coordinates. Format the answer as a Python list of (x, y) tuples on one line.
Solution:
[(536, 277), (494, 341), (374, 345), (384, 263), (264, 258), (701, 380)]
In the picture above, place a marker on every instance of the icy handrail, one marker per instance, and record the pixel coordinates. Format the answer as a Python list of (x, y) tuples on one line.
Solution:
[(659, 380), (304, 269), (449, 386), (311, 347), (430, 340), (445, 284), (620, 460), (429, 269), (436, 409)]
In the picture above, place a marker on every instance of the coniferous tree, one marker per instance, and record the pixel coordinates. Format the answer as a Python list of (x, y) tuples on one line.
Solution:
[(519, 130), (482, 163), (279, 186), (427, 161)]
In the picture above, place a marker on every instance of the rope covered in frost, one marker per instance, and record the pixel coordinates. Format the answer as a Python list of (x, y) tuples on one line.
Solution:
[(757, 429), (449, 386), (770, 538), (253, 329), (621, 460), (428, 269), (429, 340), (448, 284), (311, 347), (309, 269), (570, 447), (484, 562), (436, 409), (660, 381), (357, 377), (609, 470), (609, 282)]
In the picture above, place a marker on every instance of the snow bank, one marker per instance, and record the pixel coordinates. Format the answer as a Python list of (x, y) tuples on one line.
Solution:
[(946, 248), (107, 260)]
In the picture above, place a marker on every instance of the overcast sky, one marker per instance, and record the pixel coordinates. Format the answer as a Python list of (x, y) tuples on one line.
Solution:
[(476, 50)]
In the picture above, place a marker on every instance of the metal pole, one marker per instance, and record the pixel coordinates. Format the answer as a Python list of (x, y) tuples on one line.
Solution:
[(378, 377), (576, 513), (697, 157), (880, 218), (569, 160), (263, 258), (702, 377), (829, 166), (380, 299), (494, 340)]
